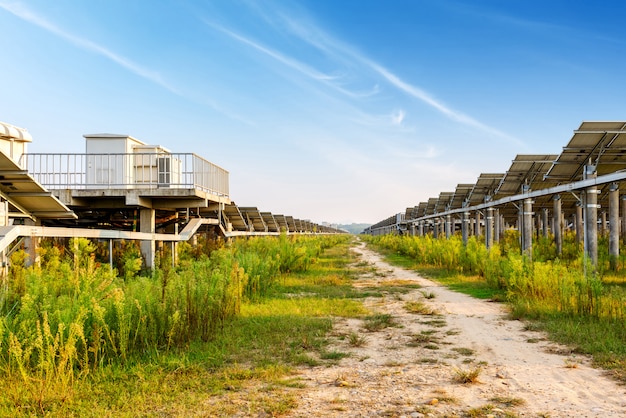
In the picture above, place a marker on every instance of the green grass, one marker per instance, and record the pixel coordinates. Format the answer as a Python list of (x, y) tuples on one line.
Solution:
[(469, 284), (585, 313), (254, 351), (378, 322)]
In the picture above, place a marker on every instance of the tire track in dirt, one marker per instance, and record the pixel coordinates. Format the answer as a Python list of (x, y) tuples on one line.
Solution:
[(411, 369)]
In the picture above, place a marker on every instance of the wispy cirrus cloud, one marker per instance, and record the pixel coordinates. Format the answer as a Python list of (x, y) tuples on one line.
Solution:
[(21, 11), (316, 37), (331, 80), (420, 94)]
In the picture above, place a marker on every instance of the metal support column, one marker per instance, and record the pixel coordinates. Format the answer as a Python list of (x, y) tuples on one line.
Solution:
[(465, 227), (580, 229), (448, 226), (544, 222), (613, 224), (537, 220), (147, 219), (527, 234), (557, 220), (623, 234), (477, 224), (591, 218), (489, 228), (497, 225)]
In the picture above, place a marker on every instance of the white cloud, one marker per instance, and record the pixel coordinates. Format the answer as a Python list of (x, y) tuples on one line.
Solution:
[(397, 117), (321, 40)]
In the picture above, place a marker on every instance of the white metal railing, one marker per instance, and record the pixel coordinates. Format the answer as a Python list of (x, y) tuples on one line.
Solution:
[(127, 171)]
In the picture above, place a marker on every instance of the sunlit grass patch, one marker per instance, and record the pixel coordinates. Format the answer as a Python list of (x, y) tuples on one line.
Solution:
[(437, 322), (356, 340), (488, 411), (333, 355), (423, 339), (305, 306), (419, 307), (378, 322), (467, 376), (464, 351), (508, 401)]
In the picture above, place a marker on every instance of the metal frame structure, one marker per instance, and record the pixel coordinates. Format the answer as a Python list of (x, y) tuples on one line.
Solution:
[(147, 194), (578, 184)]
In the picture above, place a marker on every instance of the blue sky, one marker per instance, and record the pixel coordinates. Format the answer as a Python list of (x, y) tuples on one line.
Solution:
[(329, 110)]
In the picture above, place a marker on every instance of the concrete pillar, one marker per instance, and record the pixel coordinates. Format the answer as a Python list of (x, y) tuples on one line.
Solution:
[(412, 230), (527, 234), (147, 218), (489, 228), (613, 224), (465, 224), (448, 226), (477, 231), (580, 231), (420, 228), (436, 228), (557, 220), (603, 228)]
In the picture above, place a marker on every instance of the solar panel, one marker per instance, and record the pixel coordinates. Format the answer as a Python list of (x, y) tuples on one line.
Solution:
[(291, 223), (271, 223), (443, 202), (486, 185), (431, 206), (282, 222), (421, 209), (27, 195), (253, 216), (602, 144), (526, 169), (234, 216), (461, 194)]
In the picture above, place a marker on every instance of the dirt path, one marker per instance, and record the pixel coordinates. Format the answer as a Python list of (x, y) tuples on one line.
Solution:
[(412, 369)]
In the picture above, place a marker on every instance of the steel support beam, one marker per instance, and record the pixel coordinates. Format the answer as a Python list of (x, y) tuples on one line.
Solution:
[(613, 225), (497, 225), (147, 218), (527, 234), (557, 220), (465, 227), (580, 229), (489, 228)]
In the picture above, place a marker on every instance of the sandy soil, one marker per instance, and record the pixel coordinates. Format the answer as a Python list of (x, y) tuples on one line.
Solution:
[(412, 369)]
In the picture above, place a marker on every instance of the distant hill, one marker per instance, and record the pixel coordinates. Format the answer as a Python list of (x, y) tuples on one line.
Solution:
[(354, 228)]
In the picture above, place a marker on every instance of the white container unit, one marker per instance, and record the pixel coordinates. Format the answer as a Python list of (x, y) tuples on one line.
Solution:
[(121, 161)]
